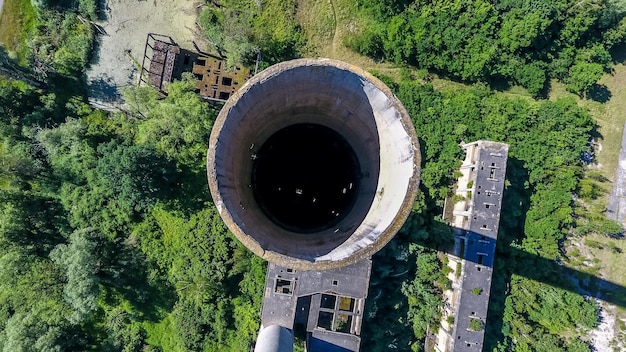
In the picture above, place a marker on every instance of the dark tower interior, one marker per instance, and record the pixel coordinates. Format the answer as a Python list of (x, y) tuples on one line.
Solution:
[(305, 177)]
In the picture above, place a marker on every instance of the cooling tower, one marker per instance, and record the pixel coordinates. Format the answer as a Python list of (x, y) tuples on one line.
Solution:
[(313, 164)]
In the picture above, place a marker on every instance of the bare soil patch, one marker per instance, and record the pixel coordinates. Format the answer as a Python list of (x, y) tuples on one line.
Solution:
[(604, 336), (119, 54)]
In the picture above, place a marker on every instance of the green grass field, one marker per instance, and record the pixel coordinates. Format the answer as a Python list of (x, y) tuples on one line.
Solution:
[(16, 21)]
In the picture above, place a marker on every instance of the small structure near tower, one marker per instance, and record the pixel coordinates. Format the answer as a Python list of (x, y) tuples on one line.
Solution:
[(165, 61)]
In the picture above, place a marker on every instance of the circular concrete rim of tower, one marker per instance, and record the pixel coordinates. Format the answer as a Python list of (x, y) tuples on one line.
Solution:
[(394, 188)]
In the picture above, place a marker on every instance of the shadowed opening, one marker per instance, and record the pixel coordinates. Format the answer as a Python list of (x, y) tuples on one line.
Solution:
[(305, 177)]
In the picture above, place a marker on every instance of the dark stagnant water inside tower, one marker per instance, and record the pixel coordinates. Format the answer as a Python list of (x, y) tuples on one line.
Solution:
[(305, 177)]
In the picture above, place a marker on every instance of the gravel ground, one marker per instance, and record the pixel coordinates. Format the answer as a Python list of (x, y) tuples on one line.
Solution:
[(127, 23)]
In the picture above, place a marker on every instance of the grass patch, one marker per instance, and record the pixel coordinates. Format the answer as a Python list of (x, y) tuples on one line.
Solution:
[(16, 21), (327, 23), (475, 324), (317, 18), (609, 252), (161, 334)]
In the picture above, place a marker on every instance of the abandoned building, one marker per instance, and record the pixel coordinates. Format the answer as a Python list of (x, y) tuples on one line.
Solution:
[(165, 61), (323, 308), (475, 220), (319, 264)]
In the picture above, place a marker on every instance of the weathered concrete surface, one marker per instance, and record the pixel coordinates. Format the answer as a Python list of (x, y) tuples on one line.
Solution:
[(616, 209), (346, 99)]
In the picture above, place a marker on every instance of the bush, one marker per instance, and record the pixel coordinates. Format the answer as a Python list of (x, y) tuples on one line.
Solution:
[(582, 76), (450, 319), (457, 198), (614, 248), (475, 324)]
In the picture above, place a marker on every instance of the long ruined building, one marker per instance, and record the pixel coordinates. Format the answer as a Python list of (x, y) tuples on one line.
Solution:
[(475, 219)]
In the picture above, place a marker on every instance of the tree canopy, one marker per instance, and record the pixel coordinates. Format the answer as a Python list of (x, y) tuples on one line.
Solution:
[(524, 42)]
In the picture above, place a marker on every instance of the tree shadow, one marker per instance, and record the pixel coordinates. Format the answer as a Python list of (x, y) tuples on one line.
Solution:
[(95, 53), (387, 307), (599, 93), (500, 83), (545, 91), (104, 11), (618, 53), (104, 89)]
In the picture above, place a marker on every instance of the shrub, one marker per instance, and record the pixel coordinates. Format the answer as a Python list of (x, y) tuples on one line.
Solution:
[(457, 198), (475, 324)]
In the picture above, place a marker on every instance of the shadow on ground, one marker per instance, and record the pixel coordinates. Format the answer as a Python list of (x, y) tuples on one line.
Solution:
[(599, 93)]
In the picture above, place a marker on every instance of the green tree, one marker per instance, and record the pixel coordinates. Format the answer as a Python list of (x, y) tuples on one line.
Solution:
[(582, 76), (523, 42), (28, 332), (177, 126), (78, 261), (136, 176)]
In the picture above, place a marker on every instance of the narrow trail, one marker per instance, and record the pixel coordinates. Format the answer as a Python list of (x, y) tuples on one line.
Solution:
[(335, 31)]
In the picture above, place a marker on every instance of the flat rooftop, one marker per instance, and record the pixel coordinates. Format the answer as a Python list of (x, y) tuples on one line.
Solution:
[(325, 307), (476, 222)]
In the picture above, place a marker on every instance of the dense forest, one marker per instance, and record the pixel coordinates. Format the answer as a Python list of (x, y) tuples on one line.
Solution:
[(109, 239), (525, 42), (108, 235)]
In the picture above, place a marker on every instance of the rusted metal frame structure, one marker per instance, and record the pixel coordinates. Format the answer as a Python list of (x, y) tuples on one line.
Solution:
[(155, 37)]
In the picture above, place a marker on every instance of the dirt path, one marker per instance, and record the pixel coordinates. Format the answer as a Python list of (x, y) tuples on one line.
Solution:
[(119, 53)]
